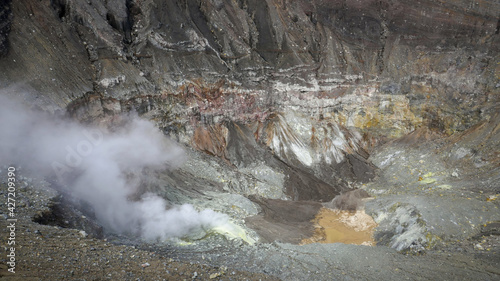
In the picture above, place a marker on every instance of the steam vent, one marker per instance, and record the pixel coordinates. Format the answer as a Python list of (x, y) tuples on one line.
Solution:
[(250, 139)]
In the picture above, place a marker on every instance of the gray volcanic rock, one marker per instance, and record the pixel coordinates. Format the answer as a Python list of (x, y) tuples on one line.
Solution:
[(424, 54), (5, 23)]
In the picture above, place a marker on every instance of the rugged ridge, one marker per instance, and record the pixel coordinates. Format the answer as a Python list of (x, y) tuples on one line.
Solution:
[(387, 54)]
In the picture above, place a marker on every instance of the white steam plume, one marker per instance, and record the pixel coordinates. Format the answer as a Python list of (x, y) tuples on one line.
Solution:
[(99, 167)]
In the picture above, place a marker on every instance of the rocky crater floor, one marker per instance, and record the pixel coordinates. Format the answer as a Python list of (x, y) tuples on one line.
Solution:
[(250, 140)]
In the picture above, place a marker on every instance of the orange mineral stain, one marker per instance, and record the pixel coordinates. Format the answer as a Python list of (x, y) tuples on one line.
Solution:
[(334, 226)]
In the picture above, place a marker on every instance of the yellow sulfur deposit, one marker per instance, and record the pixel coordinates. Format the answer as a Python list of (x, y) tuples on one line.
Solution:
[(427, 178), (234, 231)]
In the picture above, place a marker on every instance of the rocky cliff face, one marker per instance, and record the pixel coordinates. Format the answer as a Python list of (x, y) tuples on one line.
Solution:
[(431, 63), (347, 74), (275, 100), (5, 22)]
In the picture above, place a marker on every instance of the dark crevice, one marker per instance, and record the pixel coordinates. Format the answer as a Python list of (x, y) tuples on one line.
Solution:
[(60, 7), (63, 214), (132, 11), (124, 25), (110, 18), (5, 25)]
